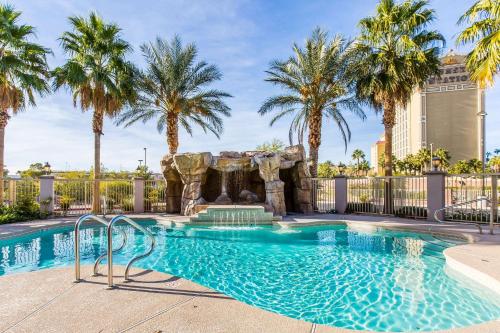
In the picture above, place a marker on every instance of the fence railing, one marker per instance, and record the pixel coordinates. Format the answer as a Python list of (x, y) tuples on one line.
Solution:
[(403, 196), (155, 196), (75, 196), (323, 195), (467, 189), (117, 196), (17, 189), (400, 196)]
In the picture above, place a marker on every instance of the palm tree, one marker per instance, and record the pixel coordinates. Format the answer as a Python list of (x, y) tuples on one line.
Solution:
[(173, 89), (397, 54), (23, 72), (358, 155), (317, 83), (97, 74), (423, 158), (483, 61)]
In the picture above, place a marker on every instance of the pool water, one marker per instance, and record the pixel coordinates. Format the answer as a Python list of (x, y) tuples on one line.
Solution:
[(381, 281)]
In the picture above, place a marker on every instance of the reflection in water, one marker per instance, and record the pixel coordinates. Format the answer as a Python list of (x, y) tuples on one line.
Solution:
[(365, 242), (326, 236), (25, 255), (408, 273)]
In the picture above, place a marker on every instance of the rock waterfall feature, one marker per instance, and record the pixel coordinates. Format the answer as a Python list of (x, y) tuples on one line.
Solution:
[(278, 182)]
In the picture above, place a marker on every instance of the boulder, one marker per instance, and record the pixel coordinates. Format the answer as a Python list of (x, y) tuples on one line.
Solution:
[(247, 196)]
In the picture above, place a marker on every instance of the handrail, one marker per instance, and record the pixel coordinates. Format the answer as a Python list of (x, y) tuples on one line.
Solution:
[(78, 223), (134, 259), (477, 224), (104, 255)]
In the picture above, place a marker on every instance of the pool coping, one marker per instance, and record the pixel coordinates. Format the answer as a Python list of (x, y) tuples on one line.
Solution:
[(478, 260)]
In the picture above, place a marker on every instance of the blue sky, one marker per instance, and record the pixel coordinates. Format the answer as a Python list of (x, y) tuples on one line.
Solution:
[(241, 37)]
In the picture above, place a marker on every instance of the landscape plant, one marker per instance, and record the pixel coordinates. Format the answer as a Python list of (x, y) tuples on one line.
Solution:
[(318, 86), (396, 54), (23, 72), (174, 90), (483, 30), (98, 75)]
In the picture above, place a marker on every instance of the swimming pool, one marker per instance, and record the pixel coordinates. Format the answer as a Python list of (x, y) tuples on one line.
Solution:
[(382, 280)]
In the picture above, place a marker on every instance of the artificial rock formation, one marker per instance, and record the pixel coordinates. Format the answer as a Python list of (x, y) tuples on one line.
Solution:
[(251, 177)]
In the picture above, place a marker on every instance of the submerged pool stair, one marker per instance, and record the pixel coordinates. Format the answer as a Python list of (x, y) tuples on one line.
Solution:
[(233, 215), (109, 254)]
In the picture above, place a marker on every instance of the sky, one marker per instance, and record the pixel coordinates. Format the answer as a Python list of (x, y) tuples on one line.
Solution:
[(240, 37)]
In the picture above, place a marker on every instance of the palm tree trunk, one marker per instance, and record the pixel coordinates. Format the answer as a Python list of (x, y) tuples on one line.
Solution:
[(315, 120), (97, 122), (389, 122), (388, 151), (96, 202), (172, 132)]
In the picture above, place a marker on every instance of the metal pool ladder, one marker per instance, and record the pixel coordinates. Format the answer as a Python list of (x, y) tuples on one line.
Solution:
[(79, 222), (477, 224), (134, 259), (110, 250)]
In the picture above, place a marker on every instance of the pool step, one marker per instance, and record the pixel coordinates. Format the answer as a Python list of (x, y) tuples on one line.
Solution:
[(233, 215)]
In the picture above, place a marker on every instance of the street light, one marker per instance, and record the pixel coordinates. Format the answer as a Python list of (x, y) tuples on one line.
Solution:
[(436, 163), (341, 168), (46, 168)]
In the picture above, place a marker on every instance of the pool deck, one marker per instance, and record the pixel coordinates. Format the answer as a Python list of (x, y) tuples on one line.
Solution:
[(49, 300)]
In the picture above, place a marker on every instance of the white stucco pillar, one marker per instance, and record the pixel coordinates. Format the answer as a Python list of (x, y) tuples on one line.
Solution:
[(47, 193), (138, 195), (340, 194), (436, 182)]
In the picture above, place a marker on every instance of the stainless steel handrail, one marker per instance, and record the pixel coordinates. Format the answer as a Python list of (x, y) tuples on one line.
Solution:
[(78, 224), (110, 251), (104, 255), (477, 224)]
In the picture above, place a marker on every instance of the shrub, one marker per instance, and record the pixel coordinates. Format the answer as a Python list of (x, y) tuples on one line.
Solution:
[(128, 205), (65, 202), (357, 207), (26, 208), (411, 211)]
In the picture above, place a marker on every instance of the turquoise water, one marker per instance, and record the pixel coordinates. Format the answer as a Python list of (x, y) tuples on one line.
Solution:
[(383, 281)]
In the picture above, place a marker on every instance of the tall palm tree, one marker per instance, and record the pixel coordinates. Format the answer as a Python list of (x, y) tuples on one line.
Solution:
[(97, 74), (174, 90), (397, 54), (317, 83), (358, 155), (23, 72), (483, 61)]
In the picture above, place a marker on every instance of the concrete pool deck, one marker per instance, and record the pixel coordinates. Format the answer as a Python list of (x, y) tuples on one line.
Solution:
[(49, 301)]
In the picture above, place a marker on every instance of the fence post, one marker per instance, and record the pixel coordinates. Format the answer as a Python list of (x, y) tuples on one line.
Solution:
[(436, 199), (494, 202), (138, 195), (47, 193), (341, 194)]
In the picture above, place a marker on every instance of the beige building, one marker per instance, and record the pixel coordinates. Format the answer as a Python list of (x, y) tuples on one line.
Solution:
[(448, 112), (377, 150)]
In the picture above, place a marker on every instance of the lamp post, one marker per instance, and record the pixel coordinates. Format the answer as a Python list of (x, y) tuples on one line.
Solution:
[(341, 168), (436, 163), (46, 168), (145, 164)]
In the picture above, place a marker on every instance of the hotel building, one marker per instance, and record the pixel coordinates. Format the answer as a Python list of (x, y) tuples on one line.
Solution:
[(448, 112)]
